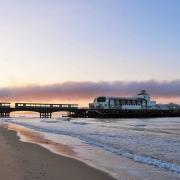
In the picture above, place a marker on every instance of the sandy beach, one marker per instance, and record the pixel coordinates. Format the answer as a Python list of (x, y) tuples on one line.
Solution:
[(26, 161)]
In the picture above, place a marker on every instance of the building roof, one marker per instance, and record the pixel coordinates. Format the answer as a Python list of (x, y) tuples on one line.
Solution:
[(125, 98)]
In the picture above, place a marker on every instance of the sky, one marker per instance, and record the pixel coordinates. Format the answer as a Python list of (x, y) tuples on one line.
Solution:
[(47, 47)]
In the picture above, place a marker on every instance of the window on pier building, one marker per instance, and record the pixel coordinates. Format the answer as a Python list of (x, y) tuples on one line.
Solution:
[(126, 102), (139, 102), (136, 103), (101, 99), (131, 102), (122, 102)]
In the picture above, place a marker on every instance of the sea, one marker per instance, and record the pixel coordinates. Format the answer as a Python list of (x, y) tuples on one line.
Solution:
[(138, 148)]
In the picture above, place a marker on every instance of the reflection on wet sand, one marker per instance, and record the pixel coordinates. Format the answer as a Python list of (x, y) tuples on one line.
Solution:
[(27, 135)]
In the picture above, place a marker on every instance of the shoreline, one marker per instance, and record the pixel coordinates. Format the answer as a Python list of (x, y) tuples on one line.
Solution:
[(117, 167), (23, 160), (29, 136)]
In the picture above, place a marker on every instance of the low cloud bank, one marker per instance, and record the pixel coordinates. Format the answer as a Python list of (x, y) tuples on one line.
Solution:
[(88, 90)]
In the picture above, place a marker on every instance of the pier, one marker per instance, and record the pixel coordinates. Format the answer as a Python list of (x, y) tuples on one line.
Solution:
[(46, 110)]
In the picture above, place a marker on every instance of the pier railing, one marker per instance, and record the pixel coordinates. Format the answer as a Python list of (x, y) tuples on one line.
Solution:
[(41, 105)]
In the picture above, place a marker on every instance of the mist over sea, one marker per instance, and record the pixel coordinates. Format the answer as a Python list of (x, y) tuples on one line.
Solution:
[(140, 148)]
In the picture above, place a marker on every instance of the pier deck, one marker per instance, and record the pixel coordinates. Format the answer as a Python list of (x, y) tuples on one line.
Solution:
[(46, 110)]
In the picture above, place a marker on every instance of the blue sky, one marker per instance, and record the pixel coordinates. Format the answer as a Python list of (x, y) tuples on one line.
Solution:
[(47, 42)]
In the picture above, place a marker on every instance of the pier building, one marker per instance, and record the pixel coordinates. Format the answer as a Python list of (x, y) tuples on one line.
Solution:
[(141, 101)]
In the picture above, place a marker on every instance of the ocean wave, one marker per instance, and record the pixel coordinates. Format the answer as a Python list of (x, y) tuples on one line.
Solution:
[(49, 121), (80, 123)]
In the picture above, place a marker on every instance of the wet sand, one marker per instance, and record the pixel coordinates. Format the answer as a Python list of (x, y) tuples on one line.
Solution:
[(26, 161)]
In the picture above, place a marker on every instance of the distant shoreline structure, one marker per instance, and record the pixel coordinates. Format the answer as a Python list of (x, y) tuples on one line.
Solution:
[(141, 101)]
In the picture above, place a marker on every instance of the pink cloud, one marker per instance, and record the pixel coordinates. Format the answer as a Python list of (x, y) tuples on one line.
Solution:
[(85, 91)]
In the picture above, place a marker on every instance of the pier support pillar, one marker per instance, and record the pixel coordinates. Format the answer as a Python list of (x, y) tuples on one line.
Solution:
[(4, 115), (45, 115)]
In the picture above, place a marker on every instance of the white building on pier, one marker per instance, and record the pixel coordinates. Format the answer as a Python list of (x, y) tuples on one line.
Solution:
[(141, 101)]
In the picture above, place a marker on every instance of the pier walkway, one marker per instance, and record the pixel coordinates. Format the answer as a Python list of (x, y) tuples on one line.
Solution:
[(45, 110)]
